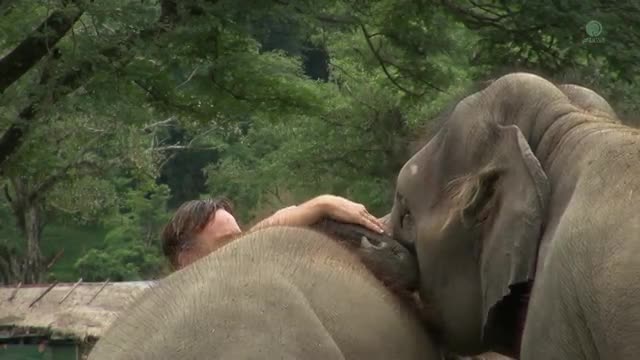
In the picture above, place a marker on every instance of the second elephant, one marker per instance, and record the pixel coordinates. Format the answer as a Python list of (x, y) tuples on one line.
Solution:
[(524, 213)]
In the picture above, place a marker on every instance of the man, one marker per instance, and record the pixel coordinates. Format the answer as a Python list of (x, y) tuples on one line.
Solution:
[(201, 226)]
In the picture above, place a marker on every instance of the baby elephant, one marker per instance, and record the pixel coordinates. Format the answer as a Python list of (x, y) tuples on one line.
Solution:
[(276, 293)]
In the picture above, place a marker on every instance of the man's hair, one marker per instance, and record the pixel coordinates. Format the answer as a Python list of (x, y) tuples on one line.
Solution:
[(189, 220)]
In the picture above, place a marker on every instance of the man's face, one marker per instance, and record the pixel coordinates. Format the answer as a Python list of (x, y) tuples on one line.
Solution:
[(218, 231)]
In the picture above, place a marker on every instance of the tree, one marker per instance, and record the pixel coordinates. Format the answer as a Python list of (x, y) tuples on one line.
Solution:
[(131, 250), (593, 43), (257, 100), (74, 117), (10, 266), (62, 169), (354, 139)]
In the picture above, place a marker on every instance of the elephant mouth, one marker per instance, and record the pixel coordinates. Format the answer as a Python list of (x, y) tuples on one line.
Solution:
[(391, 261), (409, 246)]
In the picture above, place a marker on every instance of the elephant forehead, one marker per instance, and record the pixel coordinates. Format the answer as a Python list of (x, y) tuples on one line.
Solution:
[(407, 175), (412, 166)]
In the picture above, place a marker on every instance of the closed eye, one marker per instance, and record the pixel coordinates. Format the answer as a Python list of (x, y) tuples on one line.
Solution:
[(405, 216), (406, 220)]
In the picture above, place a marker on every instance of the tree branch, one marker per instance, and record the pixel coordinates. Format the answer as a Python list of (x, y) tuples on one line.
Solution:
[(32, 49), (182, 147), (52, 180), (188, 78), (154, 95), (62, 209), (13, 137), (472, 17), (252, 99), (384, 66), (491, 9), (164, 122), (322, 17), (189, 145), (61, 174), (411, 73), (6, 6)]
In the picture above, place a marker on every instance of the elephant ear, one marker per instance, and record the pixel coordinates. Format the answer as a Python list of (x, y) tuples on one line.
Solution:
[(509, 203)]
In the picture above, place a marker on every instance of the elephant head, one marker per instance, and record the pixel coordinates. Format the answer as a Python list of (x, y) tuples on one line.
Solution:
[(472, 204), (589, 101)]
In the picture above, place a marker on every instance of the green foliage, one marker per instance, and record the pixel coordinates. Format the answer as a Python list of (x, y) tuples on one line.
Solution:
[(355, 137), (132, 261), (74, 240), (552, 39), (268, 103), (130, 250), (142, 213)]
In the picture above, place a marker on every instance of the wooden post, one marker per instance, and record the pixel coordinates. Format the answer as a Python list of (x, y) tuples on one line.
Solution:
[(43, 293), (70, 291), (15, 291), (55, 259), (98, 292)]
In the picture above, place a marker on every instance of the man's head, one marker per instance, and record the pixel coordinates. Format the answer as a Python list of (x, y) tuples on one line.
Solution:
[(197, 228)]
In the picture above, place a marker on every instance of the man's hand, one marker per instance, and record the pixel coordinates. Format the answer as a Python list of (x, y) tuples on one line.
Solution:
[(344, 210)]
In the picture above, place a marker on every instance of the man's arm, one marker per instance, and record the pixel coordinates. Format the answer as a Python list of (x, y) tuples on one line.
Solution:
[(305, 214), (314, 210)]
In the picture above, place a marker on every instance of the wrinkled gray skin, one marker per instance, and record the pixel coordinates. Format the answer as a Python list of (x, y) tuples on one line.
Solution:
[(390, 262), (277, 293), (522, 165)]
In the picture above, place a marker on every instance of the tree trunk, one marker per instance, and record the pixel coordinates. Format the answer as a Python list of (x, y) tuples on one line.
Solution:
[(32, 232), (12, 139), (33, 48), (27, 210), (10, 265)]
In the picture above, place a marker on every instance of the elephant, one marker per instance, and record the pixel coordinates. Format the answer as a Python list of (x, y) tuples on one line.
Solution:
[(523, 210), (389, 261), (279, 293), (588, 100)]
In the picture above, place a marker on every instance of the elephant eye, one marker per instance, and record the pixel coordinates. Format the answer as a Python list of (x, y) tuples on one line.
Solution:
[(405, 215), (406, 220)]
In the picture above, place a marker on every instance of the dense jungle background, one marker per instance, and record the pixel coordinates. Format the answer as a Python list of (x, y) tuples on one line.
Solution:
[(114, 113)]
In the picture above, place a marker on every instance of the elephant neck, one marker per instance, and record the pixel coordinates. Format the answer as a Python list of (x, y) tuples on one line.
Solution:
[(559, 141), (545, 128)]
